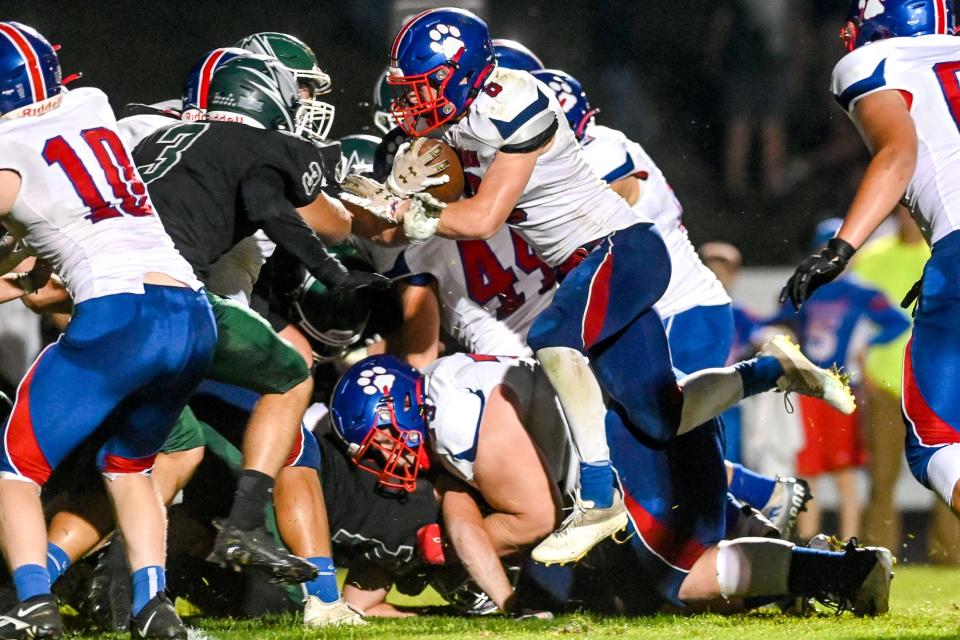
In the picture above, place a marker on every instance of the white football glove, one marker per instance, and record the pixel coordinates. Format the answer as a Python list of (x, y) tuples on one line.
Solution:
[(412, 172), (372, 196), (422, 218)]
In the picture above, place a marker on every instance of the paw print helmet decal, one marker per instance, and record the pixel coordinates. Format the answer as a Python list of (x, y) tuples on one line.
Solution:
[(571, 96), (380, 412), (438, 64), (871, 20)]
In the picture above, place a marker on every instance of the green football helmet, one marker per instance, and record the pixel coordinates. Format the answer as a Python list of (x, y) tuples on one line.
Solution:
[(332, 321), (256, 88), (382, 98), (356, 155), (316, 116)]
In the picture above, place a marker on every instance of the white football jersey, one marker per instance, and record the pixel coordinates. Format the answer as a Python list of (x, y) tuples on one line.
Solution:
[(133, 129), (459, 386), (613, 156), (490, 291), (564, 204), (925, 69), (82, 205)]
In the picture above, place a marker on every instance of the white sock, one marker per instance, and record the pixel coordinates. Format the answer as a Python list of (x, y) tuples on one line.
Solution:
[(707, 394), (748, 567), (581, 399)]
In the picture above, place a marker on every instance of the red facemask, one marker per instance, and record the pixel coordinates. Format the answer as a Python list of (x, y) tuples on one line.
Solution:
[(848, 34), (393, 454), (420, 106)]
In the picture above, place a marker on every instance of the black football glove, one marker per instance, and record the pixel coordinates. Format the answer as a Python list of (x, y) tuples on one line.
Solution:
[(362, 281), (816, 271)]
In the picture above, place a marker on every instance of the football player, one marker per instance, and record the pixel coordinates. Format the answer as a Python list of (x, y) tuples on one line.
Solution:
[(141, 339), (495, 425), (695, 309), (262, 175), (899, 85), (513, 137)]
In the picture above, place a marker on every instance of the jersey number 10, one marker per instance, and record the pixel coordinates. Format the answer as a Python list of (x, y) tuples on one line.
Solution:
[(129, 193)]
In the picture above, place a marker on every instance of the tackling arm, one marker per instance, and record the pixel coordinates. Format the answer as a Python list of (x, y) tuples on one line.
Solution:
[(328, 218)]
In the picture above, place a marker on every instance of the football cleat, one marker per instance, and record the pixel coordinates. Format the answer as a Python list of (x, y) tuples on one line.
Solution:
[(789, 499), (803, 377), (158, 619), (37, 617), (866, 592), (583, 529), (109, 593), (317, 613), (236, 548)]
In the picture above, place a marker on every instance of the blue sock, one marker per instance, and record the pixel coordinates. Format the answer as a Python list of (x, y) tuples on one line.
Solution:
[(596, 483), (147, 582), (759, 374), (324, 586), (751, 487), (31, 580), (57, 561)]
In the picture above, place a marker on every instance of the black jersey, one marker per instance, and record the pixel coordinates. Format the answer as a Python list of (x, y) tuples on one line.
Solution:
[(367, 524), (215, 183)]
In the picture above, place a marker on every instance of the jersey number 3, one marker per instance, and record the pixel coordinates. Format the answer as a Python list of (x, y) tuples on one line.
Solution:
[(129, 195)]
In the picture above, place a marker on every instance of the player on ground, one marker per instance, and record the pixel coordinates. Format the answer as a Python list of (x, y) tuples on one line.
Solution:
[(495, 425), (899, 84), (141, 339), (512, 134)]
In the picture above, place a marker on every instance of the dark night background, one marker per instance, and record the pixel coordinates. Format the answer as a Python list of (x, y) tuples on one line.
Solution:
[(657, 70)]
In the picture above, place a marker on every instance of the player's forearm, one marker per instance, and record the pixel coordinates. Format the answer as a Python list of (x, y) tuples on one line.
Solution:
[(476, 218), (328, 218), (291, 233), (466, 531), (880, 192)]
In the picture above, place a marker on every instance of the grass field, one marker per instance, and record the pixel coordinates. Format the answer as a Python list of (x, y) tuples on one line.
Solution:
[(925, 604)]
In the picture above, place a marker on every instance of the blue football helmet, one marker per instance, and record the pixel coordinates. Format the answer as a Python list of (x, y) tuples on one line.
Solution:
[(510, 54), (379, 411), (439, 63), (871, 20), (196, 88), (29, 70), (571, 96)]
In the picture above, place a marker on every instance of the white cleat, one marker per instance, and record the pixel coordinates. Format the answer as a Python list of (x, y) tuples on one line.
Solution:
[(583, 529), (802, 376), (873, 596), (317, 613)]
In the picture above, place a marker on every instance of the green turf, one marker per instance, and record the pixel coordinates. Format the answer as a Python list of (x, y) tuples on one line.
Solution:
[(925, 604)]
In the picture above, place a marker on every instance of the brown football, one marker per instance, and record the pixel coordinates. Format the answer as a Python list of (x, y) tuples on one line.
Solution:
[(452, 190)]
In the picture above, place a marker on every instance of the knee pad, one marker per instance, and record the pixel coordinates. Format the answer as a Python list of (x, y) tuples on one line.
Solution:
[(753, 567), (943, 472)]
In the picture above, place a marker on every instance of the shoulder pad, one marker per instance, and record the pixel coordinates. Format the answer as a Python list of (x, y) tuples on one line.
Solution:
[(611, 154), (512, 110), (860, 72)]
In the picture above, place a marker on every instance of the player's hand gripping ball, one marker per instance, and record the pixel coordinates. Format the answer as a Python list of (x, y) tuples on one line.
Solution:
[(427, 165)]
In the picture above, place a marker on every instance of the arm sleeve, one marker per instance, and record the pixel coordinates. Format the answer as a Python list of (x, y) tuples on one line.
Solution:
[(266, 206)]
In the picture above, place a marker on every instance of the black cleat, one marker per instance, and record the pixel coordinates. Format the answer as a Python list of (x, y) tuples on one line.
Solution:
[(38, 617), (109, 593), (865, 588), (256, 548), (158, 619)]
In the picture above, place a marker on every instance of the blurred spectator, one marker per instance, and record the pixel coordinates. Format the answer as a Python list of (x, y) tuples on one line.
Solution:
[(892, 264), (828, 327), (748, 48)]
